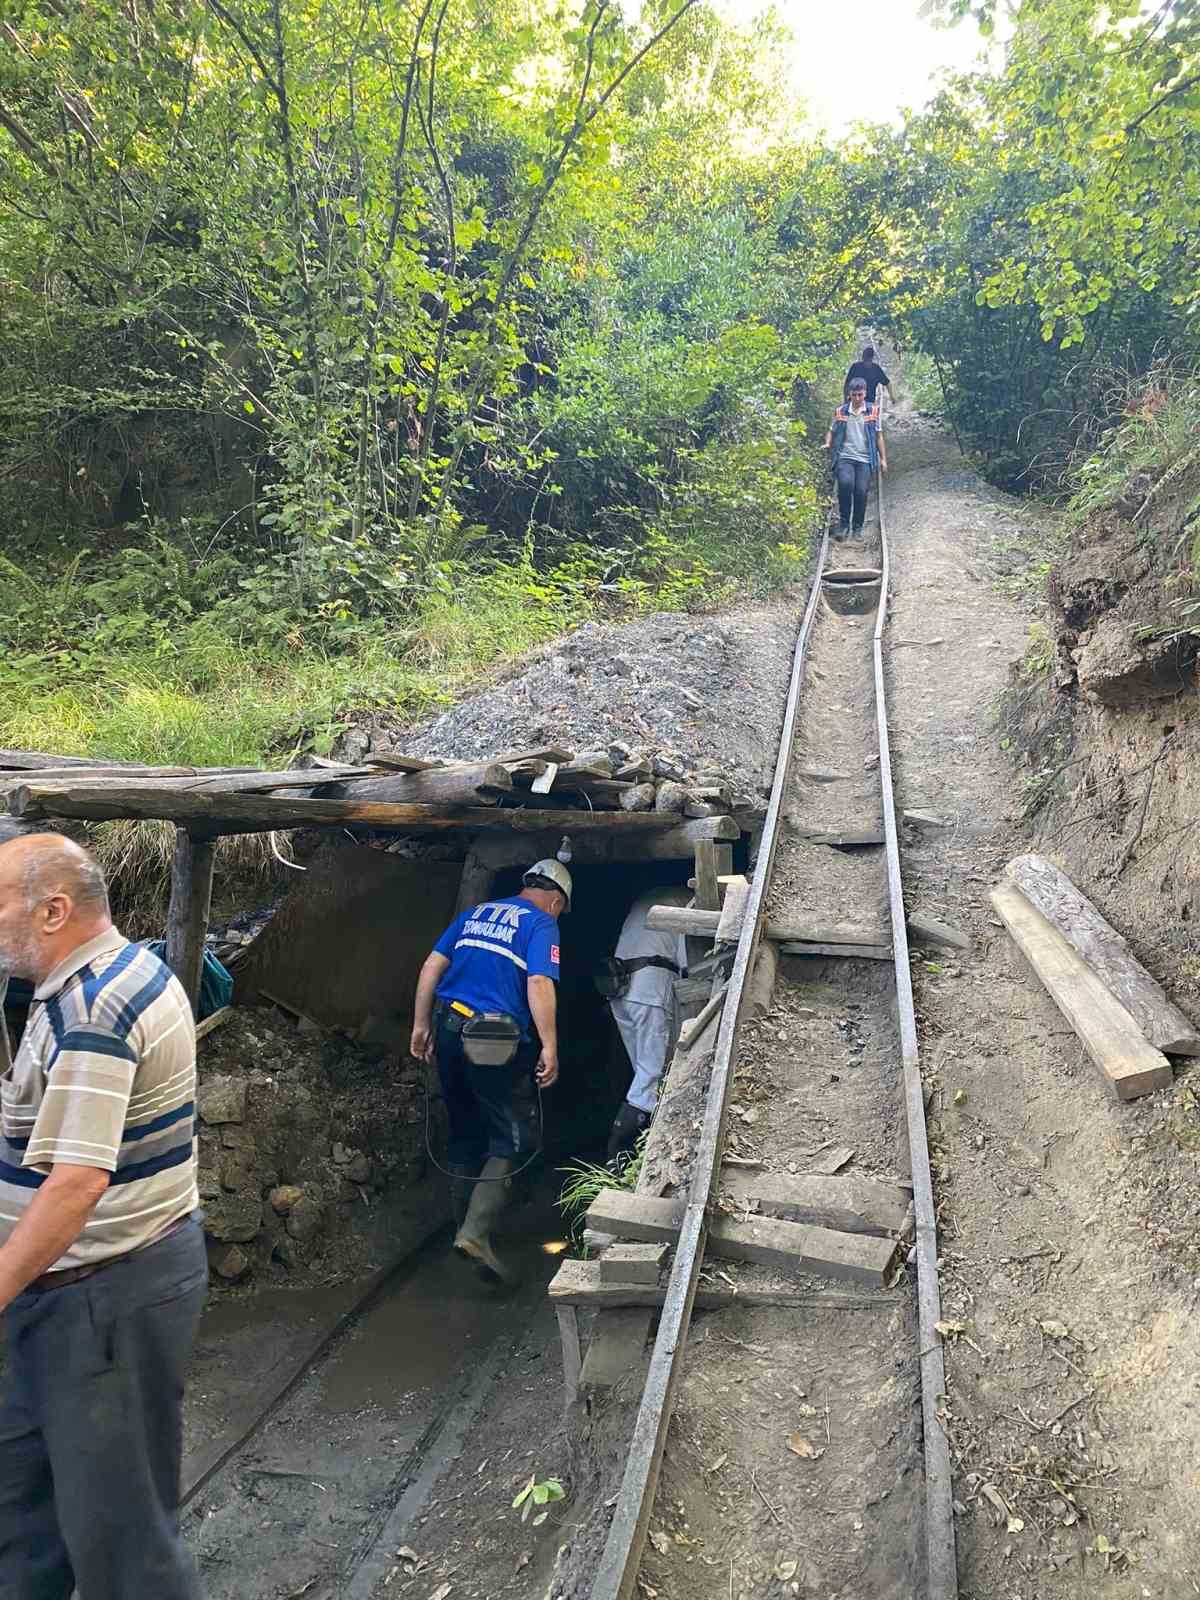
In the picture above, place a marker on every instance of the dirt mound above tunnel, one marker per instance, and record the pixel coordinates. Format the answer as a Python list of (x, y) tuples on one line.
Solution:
[(702, 693)]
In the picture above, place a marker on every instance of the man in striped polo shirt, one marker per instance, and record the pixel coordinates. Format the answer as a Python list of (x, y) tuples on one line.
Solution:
[(102, 1262)]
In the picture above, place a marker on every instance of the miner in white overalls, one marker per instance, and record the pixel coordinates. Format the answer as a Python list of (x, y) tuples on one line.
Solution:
[(646, 1012)]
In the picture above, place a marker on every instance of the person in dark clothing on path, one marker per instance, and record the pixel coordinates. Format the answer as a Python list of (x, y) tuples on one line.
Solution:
[(102, 1261), (486, 1014), (855, 443), (872, 374)]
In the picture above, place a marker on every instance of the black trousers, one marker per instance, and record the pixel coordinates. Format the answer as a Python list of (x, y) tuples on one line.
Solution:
[(853, 485), (492, 1110), (90, 1430)]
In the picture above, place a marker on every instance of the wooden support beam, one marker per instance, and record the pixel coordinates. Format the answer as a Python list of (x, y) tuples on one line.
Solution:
[(733, 911), (479, 871), (184, 780), (707, 895), (1108, 955), (35, 761), (568, 1333), (578, 1283), (1128, 1065), (842, 836), (480, 784), (187, 914), (787, 1246), (254, 813), (854, 952), (694, 922)]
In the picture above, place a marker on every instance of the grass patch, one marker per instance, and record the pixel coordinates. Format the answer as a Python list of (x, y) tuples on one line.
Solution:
[(209, 699)]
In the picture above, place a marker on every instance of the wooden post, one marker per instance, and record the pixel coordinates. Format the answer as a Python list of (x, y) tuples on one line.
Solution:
[(187, 915), (572, 1358), (478, 875), (707, 898)]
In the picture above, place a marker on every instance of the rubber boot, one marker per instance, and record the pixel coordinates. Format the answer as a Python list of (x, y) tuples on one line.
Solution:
[(628, 1126), (489, 1199), (462, 1181)]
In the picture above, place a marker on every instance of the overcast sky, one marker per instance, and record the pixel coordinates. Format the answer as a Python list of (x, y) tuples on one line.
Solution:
[(865, 59)]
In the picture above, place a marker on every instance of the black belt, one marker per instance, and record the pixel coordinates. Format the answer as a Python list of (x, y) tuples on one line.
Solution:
[(68, 1275), (640, 963)]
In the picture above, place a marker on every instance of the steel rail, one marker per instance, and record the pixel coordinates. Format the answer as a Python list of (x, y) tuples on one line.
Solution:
[(616, 1575), (941, 1561)]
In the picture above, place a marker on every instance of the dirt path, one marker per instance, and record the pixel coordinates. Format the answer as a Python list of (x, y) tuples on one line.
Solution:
[(1071, 1370)]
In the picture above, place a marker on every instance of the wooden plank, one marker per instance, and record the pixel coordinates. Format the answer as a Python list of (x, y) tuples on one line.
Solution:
[(190, 780), (798, 1246), (544, 781), (632, 1263), (568, 1332), (187, 913), (693, 1027), (856, 952), (578, 1283), (851, 1204), (617, 1345), (252, 813), (216, 1020), (707, 897), (36, 760), (1128, 1065), (733, 911), (481, 783), (789, 1246), (538, 752), (1106, 952), (402, 763), (695, 923), (842, 836), (926, 929)]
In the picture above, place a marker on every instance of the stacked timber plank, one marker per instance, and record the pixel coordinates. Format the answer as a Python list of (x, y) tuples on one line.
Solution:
[(550, 787), (1125, 1022)]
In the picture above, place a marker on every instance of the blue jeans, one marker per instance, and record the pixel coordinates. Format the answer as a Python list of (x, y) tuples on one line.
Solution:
[(493, 1111), (853, 484), (90, 1429)]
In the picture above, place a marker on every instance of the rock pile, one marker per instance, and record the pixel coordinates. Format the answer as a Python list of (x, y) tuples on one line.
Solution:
[(298, 1135)]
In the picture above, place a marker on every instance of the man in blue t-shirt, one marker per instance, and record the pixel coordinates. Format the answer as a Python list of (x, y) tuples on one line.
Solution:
[(486, 991)]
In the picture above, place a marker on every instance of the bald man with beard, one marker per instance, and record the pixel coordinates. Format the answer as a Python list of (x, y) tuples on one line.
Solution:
[(102, 1260)]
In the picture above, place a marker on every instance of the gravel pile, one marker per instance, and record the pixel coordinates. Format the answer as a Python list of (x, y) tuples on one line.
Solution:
[(704, 694)]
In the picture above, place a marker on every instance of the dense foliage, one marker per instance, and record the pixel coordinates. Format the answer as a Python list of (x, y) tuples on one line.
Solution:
[(1046, 221), (346, 346)]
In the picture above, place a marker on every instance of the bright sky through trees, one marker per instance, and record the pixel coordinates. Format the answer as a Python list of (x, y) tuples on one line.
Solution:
[(863, 59)]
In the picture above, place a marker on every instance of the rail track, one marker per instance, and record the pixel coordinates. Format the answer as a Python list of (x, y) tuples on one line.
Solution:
[(401, 1482), (935, 1569)]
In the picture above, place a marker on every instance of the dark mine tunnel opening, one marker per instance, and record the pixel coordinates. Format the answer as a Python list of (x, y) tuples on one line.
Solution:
[(594, 1072)]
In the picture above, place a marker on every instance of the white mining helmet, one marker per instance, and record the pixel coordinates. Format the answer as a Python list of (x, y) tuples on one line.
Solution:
[(554, 872)]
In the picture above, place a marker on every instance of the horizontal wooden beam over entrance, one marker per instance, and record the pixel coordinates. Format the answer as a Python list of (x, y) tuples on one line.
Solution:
[(252, 813)]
